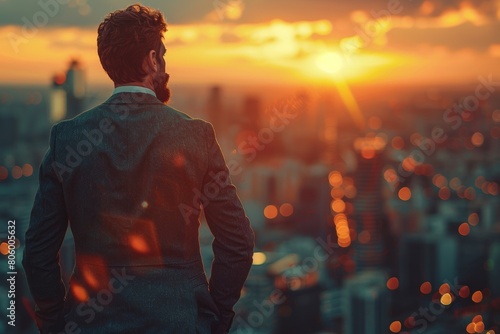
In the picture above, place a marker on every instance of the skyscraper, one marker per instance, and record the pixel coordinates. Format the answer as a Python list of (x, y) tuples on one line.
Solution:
[(367, 304), (75, 87), (58, 99)]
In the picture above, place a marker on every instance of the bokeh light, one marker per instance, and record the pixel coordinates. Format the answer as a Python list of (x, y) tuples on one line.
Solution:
[(464, 229), (259, 258), (270, 212), (404, 194), (426, 288), (395, 326), (477, 297), (393, 283), (286, 209)]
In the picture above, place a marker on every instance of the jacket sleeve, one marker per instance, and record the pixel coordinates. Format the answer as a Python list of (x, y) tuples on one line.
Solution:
[(234, 238), (45, 234)]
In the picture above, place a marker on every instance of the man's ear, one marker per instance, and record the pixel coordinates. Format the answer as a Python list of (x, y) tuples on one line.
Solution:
[(151, 62)]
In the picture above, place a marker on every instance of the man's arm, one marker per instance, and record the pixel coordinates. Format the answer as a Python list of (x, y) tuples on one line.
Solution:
[(234, 238), (45, 234)]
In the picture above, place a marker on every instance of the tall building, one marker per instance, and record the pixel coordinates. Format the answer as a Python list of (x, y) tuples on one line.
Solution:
[(252, 112), (369, 216), (426, 258), (215, 110), (58, 99), (367, 304), (75, 87)]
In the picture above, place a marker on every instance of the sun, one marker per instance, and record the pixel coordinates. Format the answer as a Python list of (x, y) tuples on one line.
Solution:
[(330, 62)]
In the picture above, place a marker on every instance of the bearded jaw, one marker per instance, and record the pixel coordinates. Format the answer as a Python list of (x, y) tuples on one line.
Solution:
[(161, 88)]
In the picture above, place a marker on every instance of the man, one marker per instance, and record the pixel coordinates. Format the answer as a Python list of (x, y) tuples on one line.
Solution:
[(131, 176)]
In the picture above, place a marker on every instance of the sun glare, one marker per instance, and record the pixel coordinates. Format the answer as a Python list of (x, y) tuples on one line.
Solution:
[(330, 62)]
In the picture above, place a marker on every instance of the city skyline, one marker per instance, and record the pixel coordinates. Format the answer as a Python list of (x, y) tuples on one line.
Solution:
[(236, 42)]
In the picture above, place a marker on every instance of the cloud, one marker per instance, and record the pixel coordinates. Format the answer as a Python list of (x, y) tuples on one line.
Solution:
[(275, 50)]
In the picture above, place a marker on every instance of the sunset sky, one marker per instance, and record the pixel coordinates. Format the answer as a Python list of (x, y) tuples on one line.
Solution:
[(268, 41)]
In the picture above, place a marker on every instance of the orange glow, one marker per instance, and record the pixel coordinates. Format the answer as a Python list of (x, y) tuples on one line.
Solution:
[(337, 193), (444, 193), (286, 210), (344, 244), (17, 172), (390, 175), (350, 102), (471, 328), (479, 181), (464, 292), (479, 327), (426, 288), (446, 299), (27, 170), (477, 139), (398, 143), (330, 62), (464, 229), (444, 288), (470, 193), (79, 292), (495, 116), (473, 219), (427, 7), (393, 283), (395, 327), (439, 181), (138, 243), (350, 191), (374, 123), (342, 228), (368, 153), (409, 164), (455, 183), (340, 219), (4, 248), (179, 160), (477, 318), (493, 188), (270, 212), (338, 205), (404, 194), (94, 271), (259, 258), (477, 297), (335, 179), (90, 278)]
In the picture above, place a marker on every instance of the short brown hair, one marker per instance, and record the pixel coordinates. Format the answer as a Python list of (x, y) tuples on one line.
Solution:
[(125, 37)]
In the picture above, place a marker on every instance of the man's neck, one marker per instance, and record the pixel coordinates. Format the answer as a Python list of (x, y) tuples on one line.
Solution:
[(144, 84)]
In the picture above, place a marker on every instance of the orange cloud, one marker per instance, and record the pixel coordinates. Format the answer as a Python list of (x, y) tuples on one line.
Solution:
[(276, 52)]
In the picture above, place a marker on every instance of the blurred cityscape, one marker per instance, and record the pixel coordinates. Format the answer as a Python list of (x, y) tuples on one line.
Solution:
[(376, 210)]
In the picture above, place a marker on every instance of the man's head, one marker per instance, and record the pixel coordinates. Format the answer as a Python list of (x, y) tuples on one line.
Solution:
[(131, 50)]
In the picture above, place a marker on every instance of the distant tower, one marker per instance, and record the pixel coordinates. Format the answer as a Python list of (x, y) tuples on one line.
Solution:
[(327, 132), (215, 111), (75, 89), (251, 114), (369, 214), (58, 98), (367, 304)]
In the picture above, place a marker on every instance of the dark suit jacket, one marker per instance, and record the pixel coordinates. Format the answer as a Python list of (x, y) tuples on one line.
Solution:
[(131, 176)]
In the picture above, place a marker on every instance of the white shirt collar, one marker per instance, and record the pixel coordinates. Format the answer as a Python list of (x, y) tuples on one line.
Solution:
[(133, 89)]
